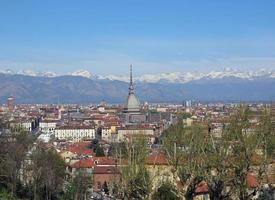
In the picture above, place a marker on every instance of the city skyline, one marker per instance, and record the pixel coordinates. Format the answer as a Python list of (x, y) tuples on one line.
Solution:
[(156, 36)]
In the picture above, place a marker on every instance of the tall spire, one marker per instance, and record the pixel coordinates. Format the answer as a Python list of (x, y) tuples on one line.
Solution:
[(131, 87), (131, 75)]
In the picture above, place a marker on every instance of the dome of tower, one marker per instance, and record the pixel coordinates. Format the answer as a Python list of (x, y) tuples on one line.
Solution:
[(132, 103)]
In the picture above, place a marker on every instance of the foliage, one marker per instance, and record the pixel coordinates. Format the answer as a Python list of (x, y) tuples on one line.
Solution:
[(195, 155), (136, 183), (184, 115), (139, 185), (13, 149), (118, 150), (4, 195), (165, 191), (48, 172), (99, 151), (78, 187)]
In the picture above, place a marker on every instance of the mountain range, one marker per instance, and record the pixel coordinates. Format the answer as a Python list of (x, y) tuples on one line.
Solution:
[(81, 86)]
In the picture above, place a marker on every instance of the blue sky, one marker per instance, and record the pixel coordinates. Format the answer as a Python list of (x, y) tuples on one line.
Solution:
[(105, 36)]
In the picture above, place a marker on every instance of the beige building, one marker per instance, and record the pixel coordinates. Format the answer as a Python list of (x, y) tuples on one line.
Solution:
[(125, 133)]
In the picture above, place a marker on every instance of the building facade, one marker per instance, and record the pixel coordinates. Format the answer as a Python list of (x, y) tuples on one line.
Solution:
[(75, 133)]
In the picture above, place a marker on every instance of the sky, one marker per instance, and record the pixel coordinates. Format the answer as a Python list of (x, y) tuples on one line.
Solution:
[(155, 36)]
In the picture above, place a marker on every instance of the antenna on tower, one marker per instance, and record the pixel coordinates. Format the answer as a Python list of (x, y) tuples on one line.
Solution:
[(131, 87), (131, 75)]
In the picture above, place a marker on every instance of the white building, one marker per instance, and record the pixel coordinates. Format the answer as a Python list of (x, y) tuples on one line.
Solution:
[(47, 126), (27, 125), (75, 133), (106, 133), (45, 137)]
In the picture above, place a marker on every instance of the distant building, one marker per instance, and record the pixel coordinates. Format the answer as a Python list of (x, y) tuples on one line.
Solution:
[(47, 126), (25, 125), (132, 108), (125, 134), (187, 103), (132, 105), (10, 104), (188, 121), (74, 133)]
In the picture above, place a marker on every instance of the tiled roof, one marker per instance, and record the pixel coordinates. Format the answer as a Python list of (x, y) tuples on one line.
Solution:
[(201, 187), (251, 180), (105, 170), (94, 161), (156, 158), (80, 148)]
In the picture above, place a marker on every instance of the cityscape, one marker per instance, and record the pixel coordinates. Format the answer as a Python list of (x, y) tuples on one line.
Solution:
[(153, 112)]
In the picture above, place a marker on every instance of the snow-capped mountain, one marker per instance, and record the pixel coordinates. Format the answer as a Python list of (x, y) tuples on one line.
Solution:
[(28, 72), (48, 74), (83, 73), (176, 77), (7, 71), (184, 77), (173, 77), (228, 85)]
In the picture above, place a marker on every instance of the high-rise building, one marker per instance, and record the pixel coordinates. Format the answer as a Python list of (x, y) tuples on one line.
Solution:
[(187, 103), (10, 103)]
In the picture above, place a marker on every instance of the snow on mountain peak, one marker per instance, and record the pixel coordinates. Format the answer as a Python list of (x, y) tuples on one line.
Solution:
[(83, 73), (171, 77), (48, 74), (7, 71), (28, 72)]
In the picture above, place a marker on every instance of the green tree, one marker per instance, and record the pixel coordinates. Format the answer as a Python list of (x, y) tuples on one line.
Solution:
[(99, 151), (13, 151), (166, 191), (136, 182), (47, 169), (79, 186), (223, 163)]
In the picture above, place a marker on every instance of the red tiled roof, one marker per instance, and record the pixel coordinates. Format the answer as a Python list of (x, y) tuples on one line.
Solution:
[(94, 161), (84, 163), (156, 158), (201, 187), (105, 160), (105, 170), (80, 148), (251, 180)]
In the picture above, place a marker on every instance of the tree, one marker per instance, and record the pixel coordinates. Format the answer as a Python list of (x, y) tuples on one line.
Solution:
[(136, 183), (185, 148), (48, 171), (224, 164), (118, 150), (105, 188), (165, 191), (99, 151), (13, 151), (78, 187)]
